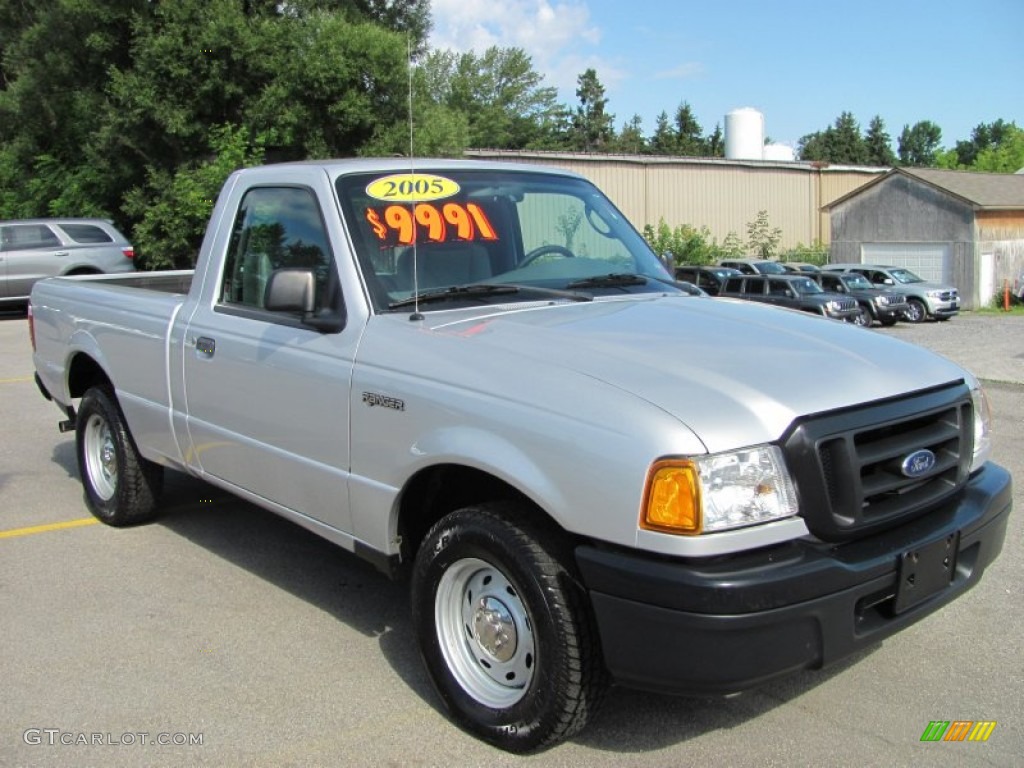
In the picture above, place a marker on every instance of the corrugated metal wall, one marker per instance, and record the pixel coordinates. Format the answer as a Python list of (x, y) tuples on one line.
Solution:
[(722, 195)]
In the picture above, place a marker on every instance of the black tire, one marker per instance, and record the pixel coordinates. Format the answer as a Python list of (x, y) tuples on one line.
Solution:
[(916, 311), (505, 628), (121, 487), (863, 317)]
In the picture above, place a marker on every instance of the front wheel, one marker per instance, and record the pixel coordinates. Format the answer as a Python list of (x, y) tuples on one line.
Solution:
[(121, 487), (916, 311), (863, 317), (505, 628)]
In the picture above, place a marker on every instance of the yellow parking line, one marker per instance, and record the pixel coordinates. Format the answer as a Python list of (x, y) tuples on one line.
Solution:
[(16, 381), (48, 527)]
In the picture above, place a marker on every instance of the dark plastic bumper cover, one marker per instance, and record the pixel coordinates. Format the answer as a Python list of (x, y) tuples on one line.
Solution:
[(727, 624)]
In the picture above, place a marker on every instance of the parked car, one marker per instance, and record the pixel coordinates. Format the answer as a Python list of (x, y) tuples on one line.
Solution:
[(710, 279), (792, 291), (801, 268), (754, 266), (32, 249), (924, 299), (885, 306)]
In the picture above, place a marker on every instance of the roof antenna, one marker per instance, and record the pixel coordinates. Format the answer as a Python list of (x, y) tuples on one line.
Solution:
[(415, 316)]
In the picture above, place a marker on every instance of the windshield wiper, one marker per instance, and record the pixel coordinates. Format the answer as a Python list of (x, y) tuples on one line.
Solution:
[(455, 293), (481, 290), (614, 280)]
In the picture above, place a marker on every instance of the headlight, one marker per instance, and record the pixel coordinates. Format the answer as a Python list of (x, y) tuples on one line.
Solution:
[(719, 492), (982, 428), (936, 294), (833, 306)]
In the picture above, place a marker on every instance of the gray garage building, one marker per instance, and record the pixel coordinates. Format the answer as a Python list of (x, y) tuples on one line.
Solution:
[(955, 227)]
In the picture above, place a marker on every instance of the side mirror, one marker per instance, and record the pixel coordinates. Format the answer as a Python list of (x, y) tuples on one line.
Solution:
[(291, 290), (294, 290)]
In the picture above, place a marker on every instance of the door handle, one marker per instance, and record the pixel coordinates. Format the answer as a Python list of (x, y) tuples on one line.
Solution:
[(62, 253), (206, 346)]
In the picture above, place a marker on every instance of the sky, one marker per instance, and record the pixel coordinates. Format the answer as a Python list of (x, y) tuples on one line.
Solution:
[(800, 63)]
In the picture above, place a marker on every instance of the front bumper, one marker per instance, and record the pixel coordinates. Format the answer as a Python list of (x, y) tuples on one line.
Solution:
[(724, 625), (940, 308)]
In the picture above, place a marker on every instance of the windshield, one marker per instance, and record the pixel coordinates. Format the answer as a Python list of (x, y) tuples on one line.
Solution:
[(770, 268), (806, 286), (425, 233), (857, 282), (905, 276)]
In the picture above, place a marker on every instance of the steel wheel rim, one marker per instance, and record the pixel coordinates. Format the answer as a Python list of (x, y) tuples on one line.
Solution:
[(100, 457), (485, 633)]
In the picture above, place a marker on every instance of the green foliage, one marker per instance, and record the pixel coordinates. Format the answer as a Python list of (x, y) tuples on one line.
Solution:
[(816, 253), (688, 245), (919, 145), (173, 208), (592, 127), (839, 143), (762, 237), (878, 144)]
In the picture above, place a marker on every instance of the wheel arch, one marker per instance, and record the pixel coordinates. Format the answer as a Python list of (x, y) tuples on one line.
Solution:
[(437, 490), (83, 372)]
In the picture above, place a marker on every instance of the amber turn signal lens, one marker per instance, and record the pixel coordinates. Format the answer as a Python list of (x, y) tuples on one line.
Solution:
[(672, 498)]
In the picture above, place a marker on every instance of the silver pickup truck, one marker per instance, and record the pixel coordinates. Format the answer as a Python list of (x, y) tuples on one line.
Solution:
[(479, 376)]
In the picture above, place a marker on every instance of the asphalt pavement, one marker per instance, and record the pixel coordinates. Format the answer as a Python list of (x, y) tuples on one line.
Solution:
[(238, 639)]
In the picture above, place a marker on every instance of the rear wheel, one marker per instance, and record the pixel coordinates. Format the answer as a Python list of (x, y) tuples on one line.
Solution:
[(505, 628), (916, 311), (121, 488)]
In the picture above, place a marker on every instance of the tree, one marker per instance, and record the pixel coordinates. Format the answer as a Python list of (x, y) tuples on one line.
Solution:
[(762, 238), (688, 139), (716, 143), (631, 138), (983, 136), (878, 144), (592, 127), (919, 145), (839, 143), (1006, 156), (154, 83), (663, 142)]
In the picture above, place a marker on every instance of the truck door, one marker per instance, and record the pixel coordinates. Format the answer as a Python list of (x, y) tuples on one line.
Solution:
[(266, 396)]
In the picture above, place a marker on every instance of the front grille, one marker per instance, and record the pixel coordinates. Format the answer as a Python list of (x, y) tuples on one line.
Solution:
[(948, 295), (847, 465)]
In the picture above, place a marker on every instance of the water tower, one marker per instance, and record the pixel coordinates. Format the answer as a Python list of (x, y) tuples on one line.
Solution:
[(744, 134)]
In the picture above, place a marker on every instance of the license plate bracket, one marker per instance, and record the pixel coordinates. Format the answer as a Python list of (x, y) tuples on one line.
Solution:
[(926, 571)]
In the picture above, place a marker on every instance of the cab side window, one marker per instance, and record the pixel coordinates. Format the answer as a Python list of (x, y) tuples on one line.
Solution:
[(276, 228)]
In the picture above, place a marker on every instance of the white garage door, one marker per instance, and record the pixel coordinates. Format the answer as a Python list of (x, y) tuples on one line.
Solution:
[(932, 261)]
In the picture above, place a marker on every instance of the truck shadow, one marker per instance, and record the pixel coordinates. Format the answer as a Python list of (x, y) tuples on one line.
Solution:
[(299, 562), (349, 589)]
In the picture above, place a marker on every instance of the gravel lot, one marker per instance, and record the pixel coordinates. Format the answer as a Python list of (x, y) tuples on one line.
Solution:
[(990, 346)]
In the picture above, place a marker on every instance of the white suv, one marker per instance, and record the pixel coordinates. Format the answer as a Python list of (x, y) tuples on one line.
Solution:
[(32, 249)]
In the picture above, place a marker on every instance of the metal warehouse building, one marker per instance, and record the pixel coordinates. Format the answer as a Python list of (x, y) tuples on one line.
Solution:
[(956, 227), (723, 195)]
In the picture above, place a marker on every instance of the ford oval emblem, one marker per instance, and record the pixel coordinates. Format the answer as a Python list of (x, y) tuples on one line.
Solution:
[(919, 463)]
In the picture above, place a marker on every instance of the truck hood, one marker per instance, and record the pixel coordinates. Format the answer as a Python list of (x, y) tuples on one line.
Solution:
[(736, 373)]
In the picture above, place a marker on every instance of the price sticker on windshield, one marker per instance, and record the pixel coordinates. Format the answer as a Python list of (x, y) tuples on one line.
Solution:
[(412, 188), (426, 223)]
